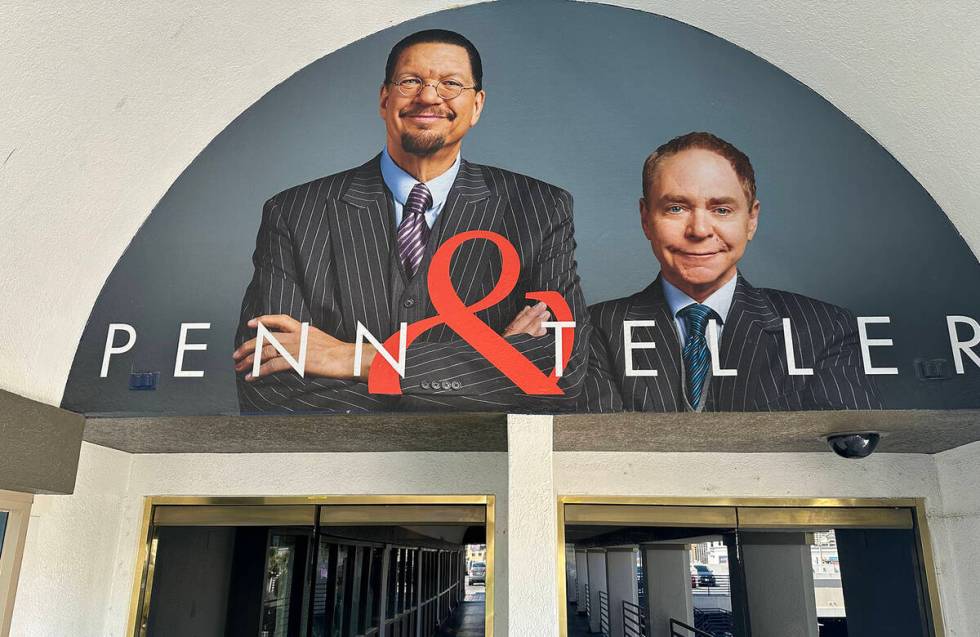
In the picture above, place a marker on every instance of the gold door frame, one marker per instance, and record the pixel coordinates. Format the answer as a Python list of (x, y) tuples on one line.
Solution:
[(915, 505), (146, 552)]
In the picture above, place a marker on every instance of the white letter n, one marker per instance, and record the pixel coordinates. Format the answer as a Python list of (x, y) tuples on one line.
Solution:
[(263, 334), (363, 333)]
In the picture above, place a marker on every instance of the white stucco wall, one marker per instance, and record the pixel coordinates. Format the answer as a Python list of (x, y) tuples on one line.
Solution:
[(105, 104), (958, 531), (79, 561), (70, 558)]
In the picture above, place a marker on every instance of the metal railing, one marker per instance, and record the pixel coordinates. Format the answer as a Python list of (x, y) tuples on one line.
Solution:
[(717, 622), (676, 625), (711, 585), (604, 613), (634, 620)]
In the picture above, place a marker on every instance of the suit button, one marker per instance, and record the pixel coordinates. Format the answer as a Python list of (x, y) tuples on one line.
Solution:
[(408, 302), (435, 384), (446, 384), (457, 385), (425, 384)]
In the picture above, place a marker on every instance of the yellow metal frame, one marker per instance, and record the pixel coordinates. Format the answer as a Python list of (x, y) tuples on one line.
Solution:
[(18, 505), (916, 505), (146, 551)]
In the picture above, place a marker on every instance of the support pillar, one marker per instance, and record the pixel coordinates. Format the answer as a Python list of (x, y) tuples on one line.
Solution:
[(667, 570), (621, 581), (779, 584), (532, 522), (581, 579), (597, 584)]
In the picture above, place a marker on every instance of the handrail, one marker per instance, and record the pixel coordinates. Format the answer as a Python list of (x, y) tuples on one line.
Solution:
[(604, 613), (715, 584), (694, 631), (634, 620)]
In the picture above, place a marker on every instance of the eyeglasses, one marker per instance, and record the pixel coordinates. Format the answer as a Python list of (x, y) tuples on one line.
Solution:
[(445, 89)]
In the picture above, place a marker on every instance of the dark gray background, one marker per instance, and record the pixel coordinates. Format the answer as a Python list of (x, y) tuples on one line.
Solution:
[(577, 95)]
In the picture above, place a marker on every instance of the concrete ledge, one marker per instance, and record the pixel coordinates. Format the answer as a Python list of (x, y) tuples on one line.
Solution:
[(906, 431), (301, 433), (39, 446)]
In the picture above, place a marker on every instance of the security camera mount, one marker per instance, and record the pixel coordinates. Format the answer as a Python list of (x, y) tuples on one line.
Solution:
[(854, 445)]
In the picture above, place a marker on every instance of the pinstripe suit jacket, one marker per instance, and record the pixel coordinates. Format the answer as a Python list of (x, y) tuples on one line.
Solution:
[(324, 254), (824, 339)]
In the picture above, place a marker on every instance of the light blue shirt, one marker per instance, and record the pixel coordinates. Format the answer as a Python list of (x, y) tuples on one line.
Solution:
[(400, 183), (720, 301)]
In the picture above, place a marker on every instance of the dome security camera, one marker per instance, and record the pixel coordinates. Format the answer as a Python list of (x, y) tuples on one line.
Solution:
[(855, 445)]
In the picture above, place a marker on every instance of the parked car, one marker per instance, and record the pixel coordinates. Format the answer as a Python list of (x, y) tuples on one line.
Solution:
[(704, 576), (478, 572)]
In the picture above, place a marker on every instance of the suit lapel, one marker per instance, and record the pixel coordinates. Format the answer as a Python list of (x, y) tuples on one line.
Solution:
[(471, 205), (662, 392), (753, 327), (361, 241)]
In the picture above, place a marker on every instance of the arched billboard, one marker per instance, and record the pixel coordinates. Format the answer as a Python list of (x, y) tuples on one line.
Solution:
[(620, 212)]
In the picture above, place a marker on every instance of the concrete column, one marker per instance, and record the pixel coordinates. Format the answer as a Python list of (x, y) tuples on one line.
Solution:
[(571, 590), (597, 584), (621, 581), (581, 579), (532, 572), (779, 584), (667, 569)]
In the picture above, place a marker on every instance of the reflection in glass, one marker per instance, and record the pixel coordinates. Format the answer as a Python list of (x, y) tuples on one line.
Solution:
[(280, 558)]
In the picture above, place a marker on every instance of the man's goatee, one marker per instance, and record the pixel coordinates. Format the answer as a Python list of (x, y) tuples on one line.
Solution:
[(422, 145)]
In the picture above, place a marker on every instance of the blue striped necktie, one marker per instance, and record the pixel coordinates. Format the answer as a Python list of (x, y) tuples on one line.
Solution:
[(413, 231), (697, 356)]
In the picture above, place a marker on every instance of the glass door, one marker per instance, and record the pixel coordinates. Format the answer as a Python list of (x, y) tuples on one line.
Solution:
[(228, 567), (741, 569)]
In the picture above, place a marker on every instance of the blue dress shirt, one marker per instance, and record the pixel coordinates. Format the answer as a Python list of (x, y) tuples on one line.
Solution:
[(720, 301), (400, 183)]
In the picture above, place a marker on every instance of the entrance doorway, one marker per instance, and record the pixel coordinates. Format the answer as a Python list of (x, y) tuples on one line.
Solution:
[(337, 567), (736, 568)]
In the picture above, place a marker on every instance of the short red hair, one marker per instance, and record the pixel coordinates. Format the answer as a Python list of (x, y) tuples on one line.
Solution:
[(704, 141)]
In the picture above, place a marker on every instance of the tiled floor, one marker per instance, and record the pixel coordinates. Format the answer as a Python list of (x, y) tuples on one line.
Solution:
[(467, 621), (578, 625)]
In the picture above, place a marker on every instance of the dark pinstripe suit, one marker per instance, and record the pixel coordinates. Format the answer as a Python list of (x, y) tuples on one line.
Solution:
[(326, 254), (824, 338)]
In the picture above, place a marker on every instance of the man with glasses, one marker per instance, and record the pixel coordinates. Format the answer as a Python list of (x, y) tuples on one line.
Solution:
[(355, 248)]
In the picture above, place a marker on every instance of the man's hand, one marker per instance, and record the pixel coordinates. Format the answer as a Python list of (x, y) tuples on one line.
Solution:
[(529, 320), (325, 355)]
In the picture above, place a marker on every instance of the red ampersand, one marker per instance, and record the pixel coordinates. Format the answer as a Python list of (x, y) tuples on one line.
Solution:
[(384, 379)]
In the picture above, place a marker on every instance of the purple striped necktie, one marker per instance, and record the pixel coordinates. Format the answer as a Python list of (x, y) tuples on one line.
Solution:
[(413, 231)]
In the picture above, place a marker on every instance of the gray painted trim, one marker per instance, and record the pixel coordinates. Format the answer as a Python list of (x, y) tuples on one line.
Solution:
[(301, 433), (39, 446), (905, 431)]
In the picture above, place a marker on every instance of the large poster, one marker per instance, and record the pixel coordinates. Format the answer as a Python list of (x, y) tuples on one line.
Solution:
[(546, 208)]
